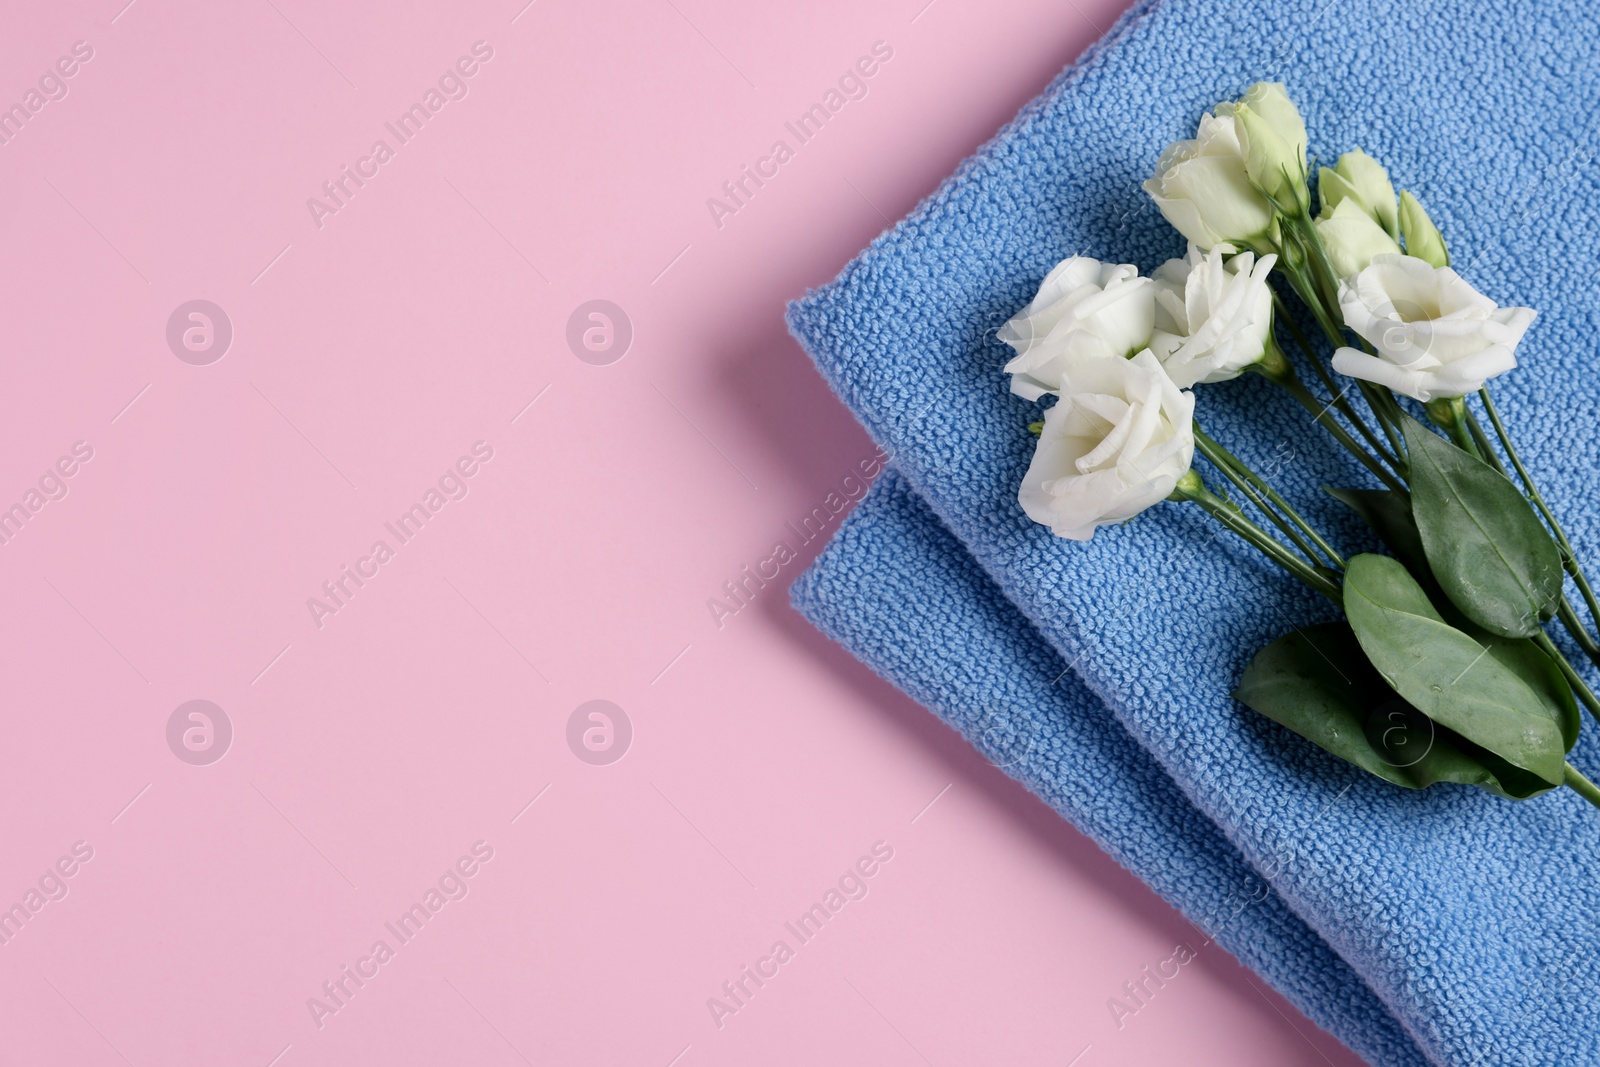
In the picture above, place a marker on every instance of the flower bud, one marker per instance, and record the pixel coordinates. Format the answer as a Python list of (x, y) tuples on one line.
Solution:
[(1352, 239), (1361, 180), (1270, 100), (1423, 238), (1272, 164), (1273, 136)]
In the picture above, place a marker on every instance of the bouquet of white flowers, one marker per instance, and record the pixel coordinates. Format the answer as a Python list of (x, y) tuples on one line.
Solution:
[(1441, 670)]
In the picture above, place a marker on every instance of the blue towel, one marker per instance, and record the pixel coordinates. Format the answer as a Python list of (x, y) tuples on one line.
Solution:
[(899, 592), (1472, 918)]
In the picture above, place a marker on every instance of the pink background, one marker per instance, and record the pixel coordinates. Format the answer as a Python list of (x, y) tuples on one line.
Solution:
[(372, 752)]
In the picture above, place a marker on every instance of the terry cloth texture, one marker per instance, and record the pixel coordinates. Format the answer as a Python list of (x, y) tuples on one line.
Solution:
[(1472, 918), (898, 591)]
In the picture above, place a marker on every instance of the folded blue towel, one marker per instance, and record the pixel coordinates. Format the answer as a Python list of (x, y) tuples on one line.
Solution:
[(1472, 918), (902, 595)]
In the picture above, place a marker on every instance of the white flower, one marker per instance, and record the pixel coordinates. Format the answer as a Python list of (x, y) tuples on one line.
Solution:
[(1436, 335), (1118, 441), (1084, 309), (1202, 188), (1213, 317), (1353, 239)]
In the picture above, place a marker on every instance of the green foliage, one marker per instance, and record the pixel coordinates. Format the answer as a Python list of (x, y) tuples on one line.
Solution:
[(1492, 693), (1484, 544), (1317, 682)]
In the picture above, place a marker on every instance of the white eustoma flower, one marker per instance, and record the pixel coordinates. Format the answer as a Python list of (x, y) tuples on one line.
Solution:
[(1213, 316), (1436, 335), (1084, 309), (1203, 189), (1353, 239), (1116, 443)]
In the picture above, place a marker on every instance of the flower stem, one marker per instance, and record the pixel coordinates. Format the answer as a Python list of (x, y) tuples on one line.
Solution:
[(1579, 686), (1255, 497), (1582, 786), (1569, 558), (1301, 275), (1344, 406), (1569, 619), (1320, 413), (1318, 286), (1485, 446), (1279, 510), (1191, 487), (1383, 403)]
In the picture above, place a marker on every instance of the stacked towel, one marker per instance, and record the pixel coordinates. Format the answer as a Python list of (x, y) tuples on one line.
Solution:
[(1470, 918), (897, 590)]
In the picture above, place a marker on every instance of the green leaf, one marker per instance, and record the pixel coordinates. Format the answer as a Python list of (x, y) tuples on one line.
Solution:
[(1539, 672), (1388, 513), (1503, 779), (1487, 548), (1318, 683), (1297, 682), (1451, 678)]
